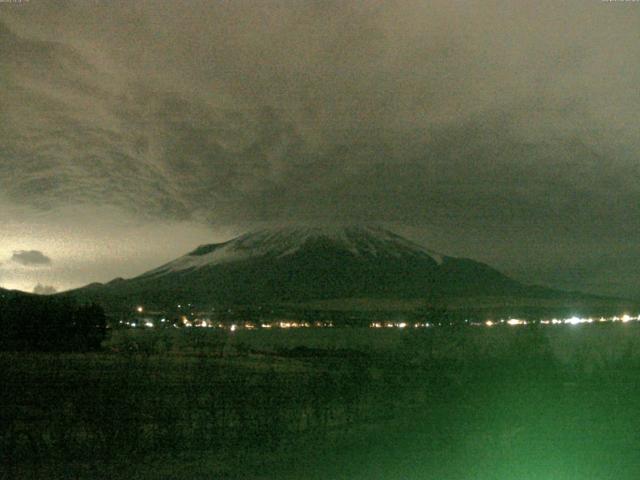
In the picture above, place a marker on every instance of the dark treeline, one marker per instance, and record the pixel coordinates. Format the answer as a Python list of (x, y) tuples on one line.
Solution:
[(34, 323)]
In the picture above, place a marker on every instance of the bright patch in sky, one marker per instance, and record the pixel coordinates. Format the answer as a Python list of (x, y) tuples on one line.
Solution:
[(85, 247)]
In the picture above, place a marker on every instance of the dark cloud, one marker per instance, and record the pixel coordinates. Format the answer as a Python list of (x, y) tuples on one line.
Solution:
[(502, 131), (40, 289), (30, 258)]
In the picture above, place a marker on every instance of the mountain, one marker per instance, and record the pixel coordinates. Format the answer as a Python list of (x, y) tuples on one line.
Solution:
[(303, 264), (8, 295)]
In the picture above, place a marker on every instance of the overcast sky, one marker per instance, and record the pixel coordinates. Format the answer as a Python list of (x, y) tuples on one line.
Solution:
[(505, 131)]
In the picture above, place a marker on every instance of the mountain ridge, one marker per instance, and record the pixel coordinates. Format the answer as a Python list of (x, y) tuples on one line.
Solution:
[(301, 264)]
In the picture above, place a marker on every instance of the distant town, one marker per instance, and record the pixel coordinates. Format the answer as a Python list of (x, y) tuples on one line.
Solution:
[(232, 319)]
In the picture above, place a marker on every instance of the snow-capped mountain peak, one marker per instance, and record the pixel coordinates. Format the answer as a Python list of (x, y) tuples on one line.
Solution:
[(280, 242)]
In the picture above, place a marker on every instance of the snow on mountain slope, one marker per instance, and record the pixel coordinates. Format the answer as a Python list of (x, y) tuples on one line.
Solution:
[(359, 241), (302, 264)]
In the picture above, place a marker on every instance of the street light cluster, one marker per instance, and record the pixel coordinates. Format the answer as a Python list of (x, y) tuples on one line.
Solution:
[(187, 322)]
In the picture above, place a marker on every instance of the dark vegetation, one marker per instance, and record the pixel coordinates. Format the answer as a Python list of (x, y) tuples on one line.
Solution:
[(49, 324), (336, 403)]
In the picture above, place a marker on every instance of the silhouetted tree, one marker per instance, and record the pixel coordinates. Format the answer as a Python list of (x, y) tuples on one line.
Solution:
[(50, 324)]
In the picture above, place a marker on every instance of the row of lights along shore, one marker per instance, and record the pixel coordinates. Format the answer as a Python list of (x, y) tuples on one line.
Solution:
[(512, 322)]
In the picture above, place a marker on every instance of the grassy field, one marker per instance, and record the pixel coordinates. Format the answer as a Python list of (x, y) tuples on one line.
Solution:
[(468, 403)]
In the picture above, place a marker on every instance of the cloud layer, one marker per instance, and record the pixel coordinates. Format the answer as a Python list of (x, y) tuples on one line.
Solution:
[(30, 258), (505, 132)]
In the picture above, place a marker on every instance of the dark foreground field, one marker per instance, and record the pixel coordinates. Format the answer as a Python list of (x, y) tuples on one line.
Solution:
[(475, 403)]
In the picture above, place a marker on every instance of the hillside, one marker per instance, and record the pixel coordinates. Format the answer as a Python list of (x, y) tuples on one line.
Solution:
[(307, 265)]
